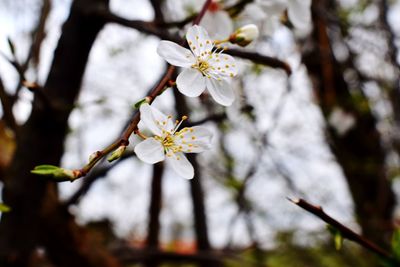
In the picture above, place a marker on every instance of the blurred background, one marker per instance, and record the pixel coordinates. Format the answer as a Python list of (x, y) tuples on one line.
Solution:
[(325, 128)]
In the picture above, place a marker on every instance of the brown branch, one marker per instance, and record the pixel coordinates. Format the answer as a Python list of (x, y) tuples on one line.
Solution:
[(232, 10), (213, 118), (154, 212), (345, 231), (6, 100), (33, 87), (93, 177), (132, 126), (260, 59), (151, 28)]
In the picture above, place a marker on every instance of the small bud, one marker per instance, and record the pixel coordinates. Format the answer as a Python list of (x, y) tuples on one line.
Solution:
[(244, 35), (116, 154), (94, 155), (58, 173)]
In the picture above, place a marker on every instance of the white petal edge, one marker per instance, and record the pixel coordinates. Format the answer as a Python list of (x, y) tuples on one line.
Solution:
[(175, 54), (221, 91), (299, 13), (147, 117), (191, 82), (181, 165), (218, 24), (200, 142), (165, 122), (150, 151)]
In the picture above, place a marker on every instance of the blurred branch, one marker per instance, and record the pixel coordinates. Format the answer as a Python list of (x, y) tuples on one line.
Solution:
[(128, 255), (214, 118), (232, 10), (154, 212), (158, 14), (31, 86), (6, 102), (38, 36), (196, 190), (151, 28), (345, 231), (94, 176), (393, 51)]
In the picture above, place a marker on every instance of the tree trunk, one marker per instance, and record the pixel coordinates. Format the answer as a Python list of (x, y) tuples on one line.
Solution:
[(37, 219)]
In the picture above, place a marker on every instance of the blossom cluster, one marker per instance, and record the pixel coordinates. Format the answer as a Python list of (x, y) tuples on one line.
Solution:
[(205, 66)]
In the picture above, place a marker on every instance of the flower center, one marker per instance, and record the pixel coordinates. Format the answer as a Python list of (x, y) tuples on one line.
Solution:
[(201, 65), (168, 141)]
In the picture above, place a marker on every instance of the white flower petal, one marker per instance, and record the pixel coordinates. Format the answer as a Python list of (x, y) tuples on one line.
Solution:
[(273, 7), (218, 24), (299, 13), (199, 41), (191, 82), (150, 151), (181, 165), (220, 91), (155, 120), (175, 54), (146, 116), (194, 139), (223, 65), (164, 122)]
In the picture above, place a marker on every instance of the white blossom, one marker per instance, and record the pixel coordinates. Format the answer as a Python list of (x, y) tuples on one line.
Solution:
[(169, 143), (244, 35), (204, 66), (299, 12)]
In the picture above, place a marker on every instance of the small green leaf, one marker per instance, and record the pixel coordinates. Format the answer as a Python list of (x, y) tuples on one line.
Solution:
[(338, 240), (52, 171), (4, 208), (141, 102), (337, 236)]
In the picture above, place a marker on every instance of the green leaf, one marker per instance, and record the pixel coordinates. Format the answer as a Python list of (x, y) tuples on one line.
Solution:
[(338, 240), (4, 208), (396, 244), (337, 236), (141, 102), (52, 171)]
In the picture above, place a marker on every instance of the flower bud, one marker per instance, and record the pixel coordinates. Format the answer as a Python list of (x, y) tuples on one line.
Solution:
[(244, 35), (116, 154)]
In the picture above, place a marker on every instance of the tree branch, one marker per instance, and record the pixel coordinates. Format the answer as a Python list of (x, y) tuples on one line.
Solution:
[(6, 100), (345, 231), (151, 28)]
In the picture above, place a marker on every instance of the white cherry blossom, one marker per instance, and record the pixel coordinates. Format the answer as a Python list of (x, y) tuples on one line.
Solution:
[(204, 67), (299, 12), (169, 143)]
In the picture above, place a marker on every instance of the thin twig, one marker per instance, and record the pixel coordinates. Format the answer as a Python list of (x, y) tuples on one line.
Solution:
[(151, 28), (345, 231)]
